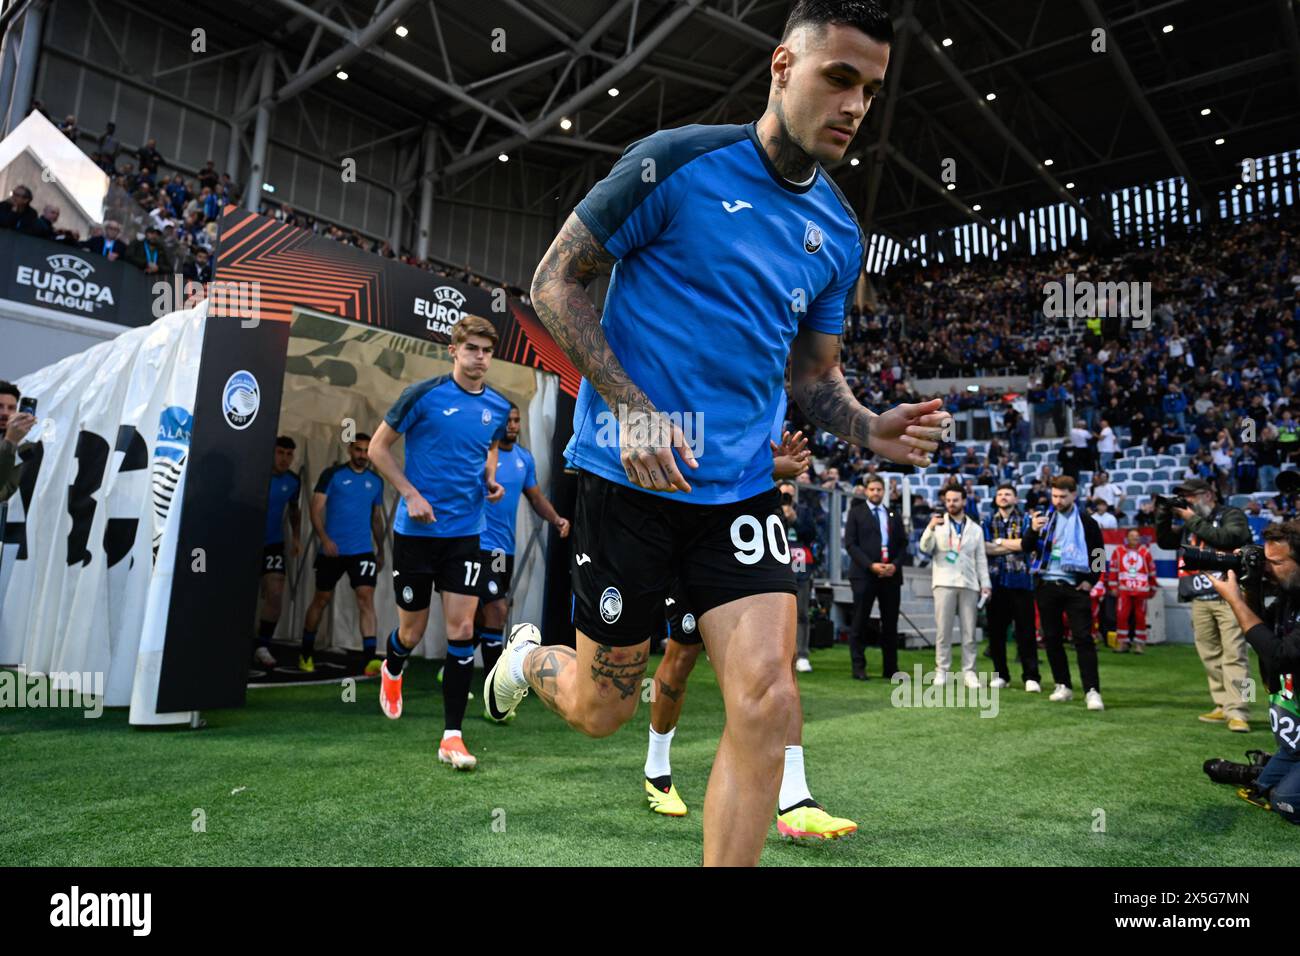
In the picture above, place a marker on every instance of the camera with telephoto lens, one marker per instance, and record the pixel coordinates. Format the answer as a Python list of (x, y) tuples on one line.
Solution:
[(1248, 562), (1237, 774), (1165, 505)]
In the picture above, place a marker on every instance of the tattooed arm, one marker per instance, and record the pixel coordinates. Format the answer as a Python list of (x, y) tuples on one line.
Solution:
[(559, 292), (905, 434)]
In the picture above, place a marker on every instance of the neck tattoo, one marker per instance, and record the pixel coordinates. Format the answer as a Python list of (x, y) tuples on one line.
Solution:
[(787, 156)]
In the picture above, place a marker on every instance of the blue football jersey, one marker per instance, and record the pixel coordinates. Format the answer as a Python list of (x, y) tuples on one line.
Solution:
[(721, 261), (284, 490), (448, 433), (349, 496), (515, 473)]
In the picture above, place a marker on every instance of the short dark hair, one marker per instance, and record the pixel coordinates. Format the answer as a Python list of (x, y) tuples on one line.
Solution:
[(284, 441), (360, 436), (1008, 486), (473, 325), (953, 487), (866, 15), (22, 191), (1065, 483), (874, 480), (1288, 532), (9, 388)]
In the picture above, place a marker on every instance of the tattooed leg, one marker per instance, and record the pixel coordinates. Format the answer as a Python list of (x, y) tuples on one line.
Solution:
[(670, 684), (595, 688)]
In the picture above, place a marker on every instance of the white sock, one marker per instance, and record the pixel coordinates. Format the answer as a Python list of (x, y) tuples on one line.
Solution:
[(656, 758), (517, 662), (448, 734), (794, 788)]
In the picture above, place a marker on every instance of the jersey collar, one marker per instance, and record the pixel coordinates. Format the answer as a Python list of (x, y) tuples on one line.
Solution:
[(752, 130)]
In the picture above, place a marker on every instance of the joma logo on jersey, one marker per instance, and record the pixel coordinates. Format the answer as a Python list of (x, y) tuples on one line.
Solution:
[(443, 311)]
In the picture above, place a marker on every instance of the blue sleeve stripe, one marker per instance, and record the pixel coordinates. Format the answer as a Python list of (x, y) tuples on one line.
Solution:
[(408, 399)]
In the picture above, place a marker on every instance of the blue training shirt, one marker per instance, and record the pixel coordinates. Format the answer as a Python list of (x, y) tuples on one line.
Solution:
[(721, 261), (284, 490), (349, 497), (515, 472), (448, 434)]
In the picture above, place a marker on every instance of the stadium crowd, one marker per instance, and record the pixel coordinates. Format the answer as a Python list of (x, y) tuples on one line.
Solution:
[(162, 219), (1216, 372)]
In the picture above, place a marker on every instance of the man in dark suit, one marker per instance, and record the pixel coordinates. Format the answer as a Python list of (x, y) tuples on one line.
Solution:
[(110, 245), (877, 542), (149, 254)]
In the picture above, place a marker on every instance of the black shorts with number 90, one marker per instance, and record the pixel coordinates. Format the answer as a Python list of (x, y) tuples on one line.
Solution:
[(629, 546)]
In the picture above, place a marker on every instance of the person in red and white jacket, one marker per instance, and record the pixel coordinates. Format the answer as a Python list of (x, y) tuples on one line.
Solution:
[(1131, 575)]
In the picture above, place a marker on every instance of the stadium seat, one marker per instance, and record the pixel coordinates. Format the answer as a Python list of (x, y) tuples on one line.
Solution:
[(1142, 476), (1161, 474), (1147, 463), (1239, 501), (1134, 451), (1167, 461), (1179, 449), (1135, 489)]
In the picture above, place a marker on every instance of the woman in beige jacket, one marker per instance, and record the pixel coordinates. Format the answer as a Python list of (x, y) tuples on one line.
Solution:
[(960, 579)]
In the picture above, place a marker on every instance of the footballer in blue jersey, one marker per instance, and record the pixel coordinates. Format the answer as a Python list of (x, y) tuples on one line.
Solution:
[(730, 254), (347, 512), (285, 489), (451, 426), (518, 476)]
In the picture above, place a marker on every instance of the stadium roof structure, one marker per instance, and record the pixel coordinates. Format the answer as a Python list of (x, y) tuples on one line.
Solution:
[(1017, 92)]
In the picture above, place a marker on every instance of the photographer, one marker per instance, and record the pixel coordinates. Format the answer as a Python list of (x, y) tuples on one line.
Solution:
[(14, 426), (1276, 639), (1219, 640)]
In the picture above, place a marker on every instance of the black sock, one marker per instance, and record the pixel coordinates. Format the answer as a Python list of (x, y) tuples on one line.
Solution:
[(265, 630), (457, 672), (308, 643), (368, 645), (397, 655), (491, 647)]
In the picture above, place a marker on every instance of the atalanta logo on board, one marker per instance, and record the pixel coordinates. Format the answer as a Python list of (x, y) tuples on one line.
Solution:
[(240, 400), (443, 311)]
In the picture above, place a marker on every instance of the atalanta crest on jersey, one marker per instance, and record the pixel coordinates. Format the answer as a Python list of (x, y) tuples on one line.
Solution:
[(812, 237), (487, 417)]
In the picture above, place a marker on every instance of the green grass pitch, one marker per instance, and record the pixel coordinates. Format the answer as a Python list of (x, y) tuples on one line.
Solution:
[(299, 776)]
